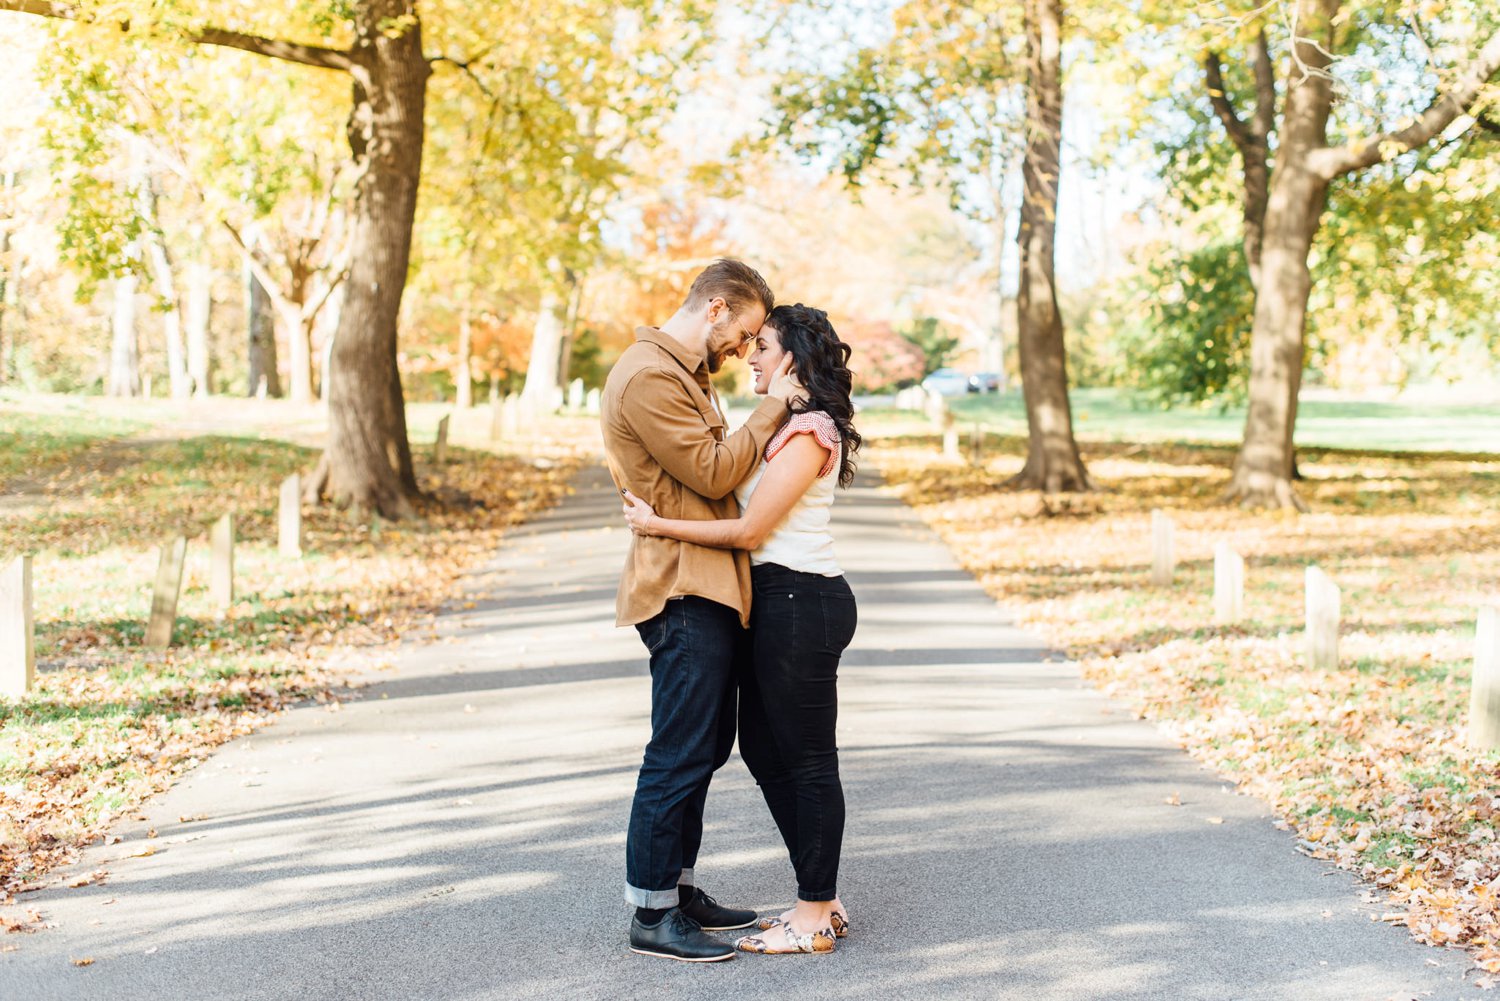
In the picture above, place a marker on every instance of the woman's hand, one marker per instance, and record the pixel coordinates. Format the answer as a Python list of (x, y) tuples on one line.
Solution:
[(799, 391), (785, 385), (637, 512)]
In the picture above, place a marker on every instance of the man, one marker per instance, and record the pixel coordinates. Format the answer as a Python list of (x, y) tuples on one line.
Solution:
[(664, 435)]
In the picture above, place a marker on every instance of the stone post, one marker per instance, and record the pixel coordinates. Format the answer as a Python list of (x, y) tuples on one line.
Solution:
[(17, 630)]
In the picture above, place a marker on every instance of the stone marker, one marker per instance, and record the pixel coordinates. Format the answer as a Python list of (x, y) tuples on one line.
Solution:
[(165, 594), (936, 408), (1229, 584), (289, 535), (511, 416), (440, 449), (1163, 561), (1484, 696), (497, 428), (575, 395), (1322, 620), (221, 564), (950, 438), (17, 630), (591, 403)]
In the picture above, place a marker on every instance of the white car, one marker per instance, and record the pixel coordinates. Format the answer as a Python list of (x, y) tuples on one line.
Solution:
[(947, 382)]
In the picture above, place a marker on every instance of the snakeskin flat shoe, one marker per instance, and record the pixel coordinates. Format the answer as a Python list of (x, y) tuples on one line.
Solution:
[(838, 919), (812, 943)]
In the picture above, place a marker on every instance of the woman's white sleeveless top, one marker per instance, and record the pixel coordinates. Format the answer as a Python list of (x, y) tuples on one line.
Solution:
[(802, 540)]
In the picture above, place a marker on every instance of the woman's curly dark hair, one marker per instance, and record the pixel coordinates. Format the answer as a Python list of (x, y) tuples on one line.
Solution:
[(822, 362)]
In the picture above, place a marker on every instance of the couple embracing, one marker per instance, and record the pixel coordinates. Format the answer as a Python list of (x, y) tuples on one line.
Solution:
[(732, 583)]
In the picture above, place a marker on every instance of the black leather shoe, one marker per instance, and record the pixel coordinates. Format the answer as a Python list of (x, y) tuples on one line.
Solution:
[(711, 916), (677, 936)]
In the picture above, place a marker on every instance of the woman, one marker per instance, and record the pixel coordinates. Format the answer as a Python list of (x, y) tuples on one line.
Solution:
[(801, 618)]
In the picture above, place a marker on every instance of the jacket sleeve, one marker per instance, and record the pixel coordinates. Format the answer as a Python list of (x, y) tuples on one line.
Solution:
[(662, 415)]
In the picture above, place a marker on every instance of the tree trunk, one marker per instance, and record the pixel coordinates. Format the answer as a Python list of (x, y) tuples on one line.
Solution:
[(1264, 469), (262, 337), (546, 344), (463, 378), (7, 286), (570, 330), (298, 325), (124, 353), (1052, 460), (368, 460), (326, 327), (171, 321), (198, 316)]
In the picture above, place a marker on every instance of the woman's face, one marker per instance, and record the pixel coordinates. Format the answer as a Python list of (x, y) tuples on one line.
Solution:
[(765, 356)]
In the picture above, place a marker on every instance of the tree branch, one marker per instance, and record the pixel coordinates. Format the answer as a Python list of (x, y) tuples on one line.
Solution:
[(1265, 90), (1213, 76), (295, 52), (1445, 107)]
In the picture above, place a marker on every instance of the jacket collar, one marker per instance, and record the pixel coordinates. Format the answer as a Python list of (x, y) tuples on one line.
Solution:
[(686, 357)]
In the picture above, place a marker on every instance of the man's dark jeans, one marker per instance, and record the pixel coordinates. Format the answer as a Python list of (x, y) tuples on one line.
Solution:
[(693, 644)]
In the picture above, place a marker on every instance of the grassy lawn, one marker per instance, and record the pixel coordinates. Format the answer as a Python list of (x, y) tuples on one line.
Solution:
[(1114, 415), (92, 494), (1367, 763)]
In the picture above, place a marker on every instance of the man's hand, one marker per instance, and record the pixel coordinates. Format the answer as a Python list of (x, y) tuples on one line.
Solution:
[(785, 386), (637, 512)]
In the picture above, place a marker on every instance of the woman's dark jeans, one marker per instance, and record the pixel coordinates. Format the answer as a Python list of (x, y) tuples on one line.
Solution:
[(800, 624)]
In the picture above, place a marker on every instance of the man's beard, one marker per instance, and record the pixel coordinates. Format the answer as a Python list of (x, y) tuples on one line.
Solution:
[(715, 362)]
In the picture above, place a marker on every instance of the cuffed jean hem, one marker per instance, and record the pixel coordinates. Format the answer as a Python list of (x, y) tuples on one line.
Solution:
[(819, 897), (686, 877), (654, 899)]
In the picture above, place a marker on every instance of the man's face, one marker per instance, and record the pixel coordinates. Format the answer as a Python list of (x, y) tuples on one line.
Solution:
[(731, 333)]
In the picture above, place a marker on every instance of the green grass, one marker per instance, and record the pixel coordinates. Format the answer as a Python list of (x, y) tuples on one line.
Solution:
[(31, 444), (1116, 415)]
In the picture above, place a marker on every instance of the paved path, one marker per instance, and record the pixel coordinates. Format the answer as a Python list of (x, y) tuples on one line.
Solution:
[(458, 832)]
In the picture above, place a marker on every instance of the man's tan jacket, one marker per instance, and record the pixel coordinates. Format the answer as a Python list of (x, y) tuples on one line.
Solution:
[(664, 439)]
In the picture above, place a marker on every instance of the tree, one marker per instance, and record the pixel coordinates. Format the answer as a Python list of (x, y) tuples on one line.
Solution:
[(950, 91), (1283, 219), (1052, 459), (936, 344), (367, 462)]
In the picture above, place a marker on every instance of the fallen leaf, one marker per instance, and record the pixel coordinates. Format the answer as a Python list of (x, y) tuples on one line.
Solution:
[(85, 961)]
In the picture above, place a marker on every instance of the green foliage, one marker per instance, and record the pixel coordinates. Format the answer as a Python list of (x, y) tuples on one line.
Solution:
[(935, 343), (1406, 252), (1195, 343), (586, 360), (938, 97), (100, 225)]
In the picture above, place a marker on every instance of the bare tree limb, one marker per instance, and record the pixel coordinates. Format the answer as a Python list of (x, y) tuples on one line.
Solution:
[(1265, 89), (296, 52), (1445, 107), (1213, 76)]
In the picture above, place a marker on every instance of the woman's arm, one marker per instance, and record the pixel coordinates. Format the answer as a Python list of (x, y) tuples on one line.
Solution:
[(787, 478)]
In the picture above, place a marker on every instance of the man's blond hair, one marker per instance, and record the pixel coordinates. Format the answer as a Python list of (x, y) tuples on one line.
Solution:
[(736, 282)]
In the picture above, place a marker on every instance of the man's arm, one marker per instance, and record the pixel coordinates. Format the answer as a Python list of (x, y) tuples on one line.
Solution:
[(794, 469), (663, 416)]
